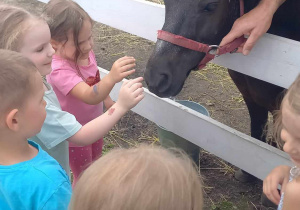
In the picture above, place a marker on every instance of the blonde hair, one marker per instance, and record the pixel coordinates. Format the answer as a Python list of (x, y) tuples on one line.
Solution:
[(292, 96), (15, 79), (148, 178), (14, 22), (63, 16)]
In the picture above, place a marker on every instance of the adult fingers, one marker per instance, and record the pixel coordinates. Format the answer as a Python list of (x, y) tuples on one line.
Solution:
[(250, 42), (232, 35)]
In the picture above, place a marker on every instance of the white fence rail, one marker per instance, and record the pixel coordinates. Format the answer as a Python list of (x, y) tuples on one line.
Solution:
[(274, 59)]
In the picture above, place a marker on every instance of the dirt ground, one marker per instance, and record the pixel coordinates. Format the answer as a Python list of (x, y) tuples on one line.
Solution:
[(211, 87)]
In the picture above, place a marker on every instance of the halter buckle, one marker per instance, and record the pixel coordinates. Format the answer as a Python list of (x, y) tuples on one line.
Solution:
[(213, 49)]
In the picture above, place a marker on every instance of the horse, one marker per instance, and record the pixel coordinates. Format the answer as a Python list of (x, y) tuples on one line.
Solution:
[(208, 21)]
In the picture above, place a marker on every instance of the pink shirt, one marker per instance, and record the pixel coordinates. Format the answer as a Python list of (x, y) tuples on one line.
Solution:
[(64, 77)]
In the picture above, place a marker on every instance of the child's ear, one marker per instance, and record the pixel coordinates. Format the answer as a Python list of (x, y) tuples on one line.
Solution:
[(55, 44), (12, 121)]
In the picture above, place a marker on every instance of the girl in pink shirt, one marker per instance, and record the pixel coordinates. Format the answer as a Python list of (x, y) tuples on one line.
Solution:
[(75, 76)]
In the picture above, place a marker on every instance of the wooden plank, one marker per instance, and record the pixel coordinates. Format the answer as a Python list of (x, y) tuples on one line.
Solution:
[(231, 145), (274, 59)]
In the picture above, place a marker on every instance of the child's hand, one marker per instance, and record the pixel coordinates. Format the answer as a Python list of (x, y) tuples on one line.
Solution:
[(121, 68), (279, 175), (131, 93)]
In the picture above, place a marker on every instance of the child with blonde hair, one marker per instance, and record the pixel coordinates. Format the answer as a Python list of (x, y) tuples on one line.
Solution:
[(75, 75), (148, 178), (29, 177), (23, 32), (288, 130)]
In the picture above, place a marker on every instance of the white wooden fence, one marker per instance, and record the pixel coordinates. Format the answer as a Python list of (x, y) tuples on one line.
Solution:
[(274, 59)]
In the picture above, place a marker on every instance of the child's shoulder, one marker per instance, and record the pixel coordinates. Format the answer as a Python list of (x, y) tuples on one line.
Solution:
[(59, 63), (46, 167), (291, 194), (294, 185)]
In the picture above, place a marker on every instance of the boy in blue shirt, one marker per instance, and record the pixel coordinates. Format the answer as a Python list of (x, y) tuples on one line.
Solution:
[(29, 177)]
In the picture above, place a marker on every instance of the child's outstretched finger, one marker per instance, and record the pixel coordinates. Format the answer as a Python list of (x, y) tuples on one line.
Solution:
[(136, 86), (123, 58), (138, 92), (126, 82), (127, 67), (127, 73), (133, 81), (139, 98), (126, 61)]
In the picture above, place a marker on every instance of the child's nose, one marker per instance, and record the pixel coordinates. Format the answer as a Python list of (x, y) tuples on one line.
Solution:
[(51, 51), (90, 44)]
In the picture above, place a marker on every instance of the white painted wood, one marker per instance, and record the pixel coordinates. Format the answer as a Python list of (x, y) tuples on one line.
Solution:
[(231, 145), (274, 59)]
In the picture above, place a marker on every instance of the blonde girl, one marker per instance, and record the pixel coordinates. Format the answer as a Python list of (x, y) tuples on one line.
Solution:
[(75, 76), (148, 178), (288, 128), (23, 32)]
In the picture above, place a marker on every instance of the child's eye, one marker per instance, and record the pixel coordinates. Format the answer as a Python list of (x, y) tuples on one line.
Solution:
[(40, 49)]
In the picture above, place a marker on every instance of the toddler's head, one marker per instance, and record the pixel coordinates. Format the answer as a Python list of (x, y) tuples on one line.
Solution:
[(148, 178), (71, 29), (25, 33), (22, 107), (287, 125)]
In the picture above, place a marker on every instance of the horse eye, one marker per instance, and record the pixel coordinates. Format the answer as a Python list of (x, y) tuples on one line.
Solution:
[(211, 7)]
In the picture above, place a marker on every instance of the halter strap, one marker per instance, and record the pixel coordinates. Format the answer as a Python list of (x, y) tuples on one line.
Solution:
[(210, 50)]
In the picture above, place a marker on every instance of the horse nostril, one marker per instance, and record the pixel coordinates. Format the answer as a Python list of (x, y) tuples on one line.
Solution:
[(163, 83)]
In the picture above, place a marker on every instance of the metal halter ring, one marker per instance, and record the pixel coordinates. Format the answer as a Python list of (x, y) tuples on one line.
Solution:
[(213, 49)]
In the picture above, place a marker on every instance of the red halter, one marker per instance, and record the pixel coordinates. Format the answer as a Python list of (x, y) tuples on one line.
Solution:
[(210, 50)]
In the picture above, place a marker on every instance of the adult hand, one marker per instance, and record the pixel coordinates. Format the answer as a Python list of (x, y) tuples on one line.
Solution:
[(254, 24), (279, 175)]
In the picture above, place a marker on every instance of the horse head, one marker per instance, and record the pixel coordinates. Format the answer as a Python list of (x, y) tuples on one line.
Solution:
[(204, 21)]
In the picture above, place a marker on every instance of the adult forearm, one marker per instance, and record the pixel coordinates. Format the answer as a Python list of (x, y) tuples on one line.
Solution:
[(273, 5)]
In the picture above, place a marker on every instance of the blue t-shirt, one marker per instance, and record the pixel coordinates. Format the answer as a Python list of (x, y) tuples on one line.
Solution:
[(39, 183)]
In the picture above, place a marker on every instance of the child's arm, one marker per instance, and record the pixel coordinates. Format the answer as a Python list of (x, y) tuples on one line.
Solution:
[(279, 175), (97, 93), (108, 102), (130, 94), (291, 199)]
